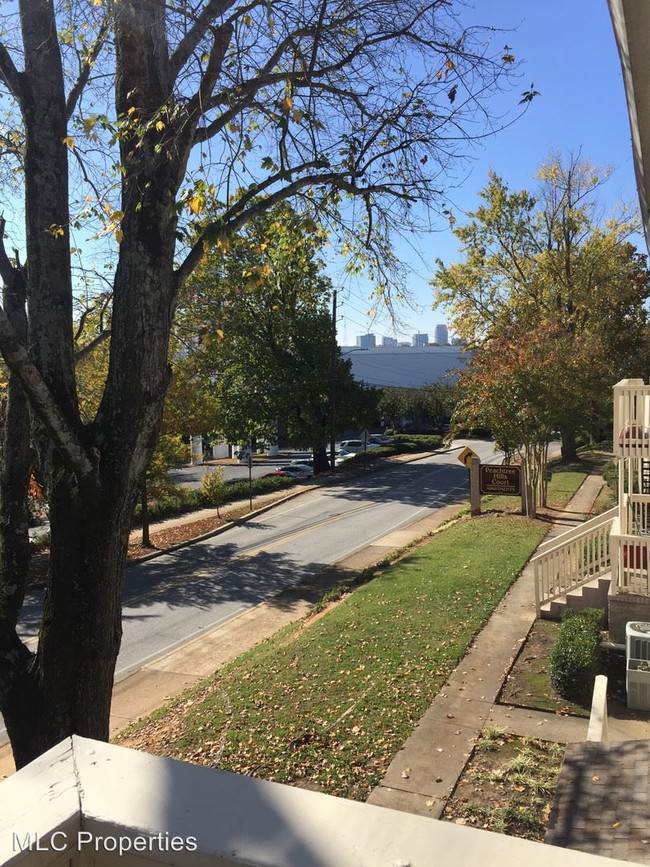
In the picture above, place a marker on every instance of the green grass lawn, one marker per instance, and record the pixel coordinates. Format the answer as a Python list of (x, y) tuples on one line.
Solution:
[(562, 485), (327, 703)]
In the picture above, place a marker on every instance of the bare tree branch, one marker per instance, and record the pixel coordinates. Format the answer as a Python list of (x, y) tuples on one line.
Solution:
[(246, 208), (86, 67), (209, 79), (7, 270), (89, 348), (210, 12)]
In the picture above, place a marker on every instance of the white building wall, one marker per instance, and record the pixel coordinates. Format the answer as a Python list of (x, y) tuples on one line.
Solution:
[(405, 367)]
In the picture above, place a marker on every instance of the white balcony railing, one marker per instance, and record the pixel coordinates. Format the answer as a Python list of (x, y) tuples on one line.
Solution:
[(632, 419), (635, 515), (90, 804), (572, 559), (630, 558)]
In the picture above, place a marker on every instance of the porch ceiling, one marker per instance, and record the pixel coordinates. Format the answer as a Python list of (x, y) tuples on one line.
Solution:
[(631, 21)]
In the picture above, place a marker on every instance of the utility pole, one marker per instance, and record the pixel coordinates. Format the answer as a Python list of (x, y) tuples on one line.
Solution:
[(333, 385)]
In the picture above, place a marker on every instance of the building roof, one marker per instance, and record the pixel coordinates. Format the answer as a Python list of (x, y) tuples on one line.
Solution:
[(405, 366)]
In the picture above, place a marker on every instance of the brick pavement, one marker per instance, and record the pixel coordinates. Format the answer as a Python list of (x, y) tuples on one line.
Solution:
[(602, 802)]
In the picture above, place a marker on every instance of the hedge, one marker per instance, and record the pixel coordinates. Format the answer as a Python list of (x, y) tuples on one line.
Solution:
[(575, 658)]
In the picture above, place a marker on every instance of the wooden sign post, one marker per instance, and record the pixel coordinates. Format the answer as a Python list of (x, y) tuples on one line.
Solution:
[(475, 486)]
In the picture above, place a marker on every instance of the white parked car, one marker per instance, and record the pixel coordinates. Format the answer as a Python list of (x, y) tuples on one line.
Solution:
[(354, 446)]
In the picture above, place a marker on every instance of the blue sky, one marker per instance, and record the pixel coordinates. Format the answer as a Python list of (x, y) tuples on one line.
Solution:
[(567, 50)]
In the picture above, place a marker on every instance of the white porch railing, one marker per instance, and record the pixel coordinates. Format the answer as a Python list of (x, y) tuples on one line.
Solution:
[(572, 559), (632, 419), (630, 558), (635, 514)]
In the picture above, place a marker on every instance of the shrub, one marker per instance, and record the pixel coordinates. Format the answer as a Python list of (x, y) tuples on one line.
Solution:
[(213, 487), (417, 442), (610, 474), (575, 658), (272, 483)]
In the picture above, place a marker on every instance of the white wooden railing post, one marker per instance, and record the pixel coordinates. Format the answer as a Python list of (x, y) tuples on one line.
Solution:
[(598, 730)]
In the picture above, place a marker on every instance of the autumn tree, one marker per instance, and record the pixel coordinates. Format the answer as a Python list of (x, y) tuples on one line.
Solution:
[(512, 386), (550, 261), (125, 120)]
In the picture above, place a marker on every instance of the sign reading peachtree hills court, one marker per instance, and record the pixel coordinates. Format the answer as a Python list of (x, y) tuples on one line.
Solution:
[(501, 480)]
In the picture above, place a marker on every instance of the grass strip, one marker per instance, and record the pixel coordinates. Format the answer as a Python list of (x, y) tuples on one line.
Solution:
[(562, 485), (329, 703)]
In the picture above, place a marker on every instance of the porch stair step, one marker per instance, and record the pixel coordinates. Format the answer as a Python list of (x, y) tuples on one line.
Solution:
[(591, 595)]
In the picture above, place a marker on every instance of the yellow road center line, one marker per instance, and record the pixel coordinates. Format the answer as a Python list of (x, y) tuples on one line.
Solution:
[(246, 555)]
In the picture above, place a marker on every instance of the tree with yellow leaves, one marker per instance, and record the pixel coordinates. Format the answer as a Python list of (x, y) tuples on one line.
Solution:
[(550, 263)]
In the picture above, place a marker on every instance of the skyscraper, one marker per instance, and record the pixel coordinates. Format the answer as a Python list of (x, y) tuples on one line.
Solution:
[(420, 340), (441, 335), (366, 341)]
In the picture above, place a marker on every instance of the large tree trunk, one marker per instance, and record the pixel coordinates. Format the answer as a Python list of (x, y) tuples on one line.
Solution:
[(16, 458), (321, 461), (569, 446), (66, 686)]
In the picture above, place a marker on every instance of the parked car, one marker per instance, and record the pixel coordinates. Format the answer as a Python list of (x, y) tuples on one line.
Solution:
[(280, 472), (354, 446), (302, 462), (298, 472)]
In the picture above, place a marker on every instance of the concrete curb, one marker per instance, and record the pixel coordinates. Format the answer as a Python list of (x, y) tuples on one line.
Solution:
[(186, 518)]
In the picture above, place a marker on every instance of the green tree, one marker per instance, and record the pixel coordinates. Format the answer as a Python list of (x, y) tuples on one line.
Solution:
[(125, 121), (550, 261), (434, 402), (512, 385), (260, 309)]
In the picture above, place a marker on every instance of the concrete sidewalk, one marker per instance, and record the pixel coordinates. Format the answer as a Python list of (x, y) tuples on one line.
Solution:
[(423, 774)]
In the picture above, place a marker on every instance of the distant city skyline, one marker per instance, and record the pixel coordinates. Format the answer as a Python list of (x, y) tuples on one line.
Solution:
[(372, 340)]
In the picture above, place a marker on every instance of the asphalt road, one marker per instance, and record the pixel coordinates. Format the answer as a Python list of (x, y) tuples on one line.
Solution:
[(173, 598), (191, 477)]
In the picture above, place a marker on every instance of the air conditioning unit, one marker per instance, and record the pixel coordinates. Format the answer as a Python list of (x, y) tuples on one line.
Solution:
[(637, 658)]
